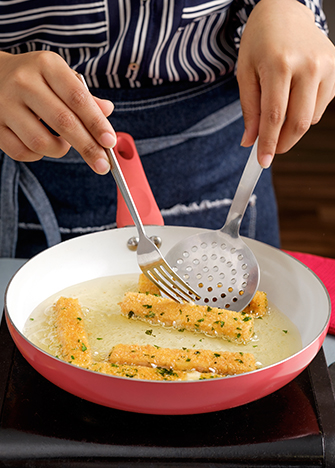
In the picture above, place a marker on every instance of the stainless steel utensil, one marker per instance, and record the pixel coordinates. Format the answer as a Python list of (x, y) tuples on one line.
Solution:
[(219, 265), (149, 258)]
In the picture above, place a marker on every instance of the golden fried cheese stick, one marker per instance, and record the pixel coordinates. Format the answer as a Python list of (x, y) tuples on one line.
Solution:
[(201, 360), (230, 325), (258, 305), (74, 346), (146, 286), (150, 373)]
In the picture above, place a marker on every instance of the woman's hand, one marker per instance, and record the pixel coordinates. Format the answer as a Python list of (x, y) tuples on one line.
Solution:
[(40, 85), (286, 75)]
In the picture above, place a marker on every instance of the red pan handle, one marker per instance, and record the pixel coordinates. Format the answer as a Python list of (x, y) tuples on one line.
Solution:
[(131, 166)]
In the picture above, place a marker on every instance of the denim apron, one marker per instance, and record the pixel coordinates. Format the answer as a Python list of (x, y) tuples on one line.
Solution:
[(188, 137)]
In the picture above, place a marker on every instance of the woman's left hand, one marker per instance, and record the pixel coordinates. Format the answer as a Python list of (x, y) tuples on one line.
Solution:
[(286, 75)]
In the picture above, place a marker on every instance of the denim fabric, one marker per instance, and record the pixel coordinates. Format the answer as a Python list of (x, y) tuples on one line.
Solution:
[(193, 181)]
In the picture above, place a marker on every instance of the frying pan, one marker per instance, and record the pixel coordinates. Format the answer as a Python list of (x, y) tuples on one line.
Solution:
[(291, 286)]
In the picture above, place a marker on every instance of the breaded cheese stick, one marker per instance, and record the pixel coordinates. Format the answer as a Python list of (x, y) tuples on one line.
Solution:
[(258, 305), (201, 360), (146, 286), (149, 373), (230, 325), (74, 346)]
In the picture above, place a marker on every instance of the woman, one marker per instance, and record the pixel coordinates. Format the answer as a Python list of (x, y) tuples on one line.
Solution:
[(169, 67)]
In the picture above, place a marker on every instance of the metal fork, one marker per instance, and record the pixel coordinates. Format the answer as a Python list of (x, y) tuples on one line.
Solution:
[(149, 258)]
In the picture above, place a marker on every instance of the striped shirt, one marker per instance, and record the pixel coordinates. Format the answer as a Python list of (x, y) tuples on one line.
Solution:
[(133, 43)]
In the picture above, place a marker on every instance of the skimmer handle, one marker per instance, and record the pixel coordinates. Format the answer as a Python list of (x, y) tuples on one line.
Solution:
[(248, 181)]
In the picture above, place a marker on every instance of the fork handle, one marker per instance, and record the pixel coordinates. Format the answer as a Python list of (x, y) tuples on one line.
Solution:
[(248, 181), (125, 192), (138, 185)]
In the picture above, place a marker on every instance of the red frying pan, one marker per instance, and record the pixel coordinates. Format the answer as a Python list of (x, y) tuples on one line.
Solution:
[(290, 285)]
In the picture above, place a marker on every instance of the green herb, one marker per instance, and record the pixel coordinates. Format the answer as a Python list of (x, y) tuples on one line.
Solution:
[(201, 320), (147, 306), (99, 338), (131, 314), (79, 318), (209, 309), (239, 360), (149, 332), (285, 331), (163, 371), (83, 347), (217, 354), (238, 335), (32, 318), (246, 319)]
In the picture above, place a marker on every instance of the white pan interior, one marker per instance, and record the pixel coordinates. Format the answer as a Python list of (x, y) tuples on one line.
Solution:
[(290, 285)]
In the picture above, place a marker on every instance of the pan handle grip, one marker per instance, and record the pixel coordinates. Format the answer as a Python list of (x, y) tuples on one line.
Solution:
[(132, 169)]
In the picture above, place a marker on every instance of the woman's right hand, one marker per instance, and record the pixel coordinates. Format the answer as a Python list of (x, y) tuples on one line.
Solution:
[(39, 86)]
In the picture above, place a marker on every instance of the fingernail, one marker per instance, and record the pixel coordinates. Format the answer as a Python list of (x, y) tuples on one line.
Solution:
[(266, 161), (244, 137), (101, 166), (108, 140)]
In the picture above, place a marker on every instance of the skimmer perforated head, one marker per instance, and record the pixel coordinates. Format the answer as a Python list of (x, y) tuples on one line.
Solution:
[(223, 271), (219, 265)]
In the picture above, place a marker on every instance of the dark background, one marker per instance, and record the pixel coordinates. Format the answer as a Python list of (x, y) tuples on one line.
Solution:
[(305, 182)]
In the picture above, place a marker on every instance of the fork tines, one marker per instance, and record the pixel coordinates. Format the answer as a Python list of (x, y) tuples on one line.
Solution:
[(171, 284)]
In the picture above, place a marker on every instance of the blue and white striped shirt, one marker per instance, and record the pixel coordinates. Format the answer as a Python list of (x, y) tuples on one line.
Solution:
[(133, 43)]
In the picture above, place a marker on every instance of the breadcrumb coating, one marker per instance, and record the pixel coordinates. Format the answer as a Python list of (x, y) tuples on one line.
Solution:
[(150, 373), (258, 305), (200, 360), (233, 326), (146, 286), (74, 346)]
